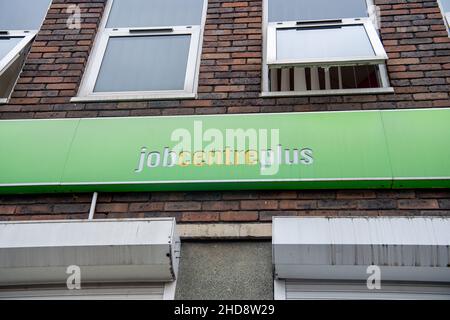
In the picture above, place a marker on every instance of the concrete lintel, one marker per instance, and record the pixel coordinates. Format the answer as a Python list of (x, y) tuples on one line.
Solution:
[(225, 231)]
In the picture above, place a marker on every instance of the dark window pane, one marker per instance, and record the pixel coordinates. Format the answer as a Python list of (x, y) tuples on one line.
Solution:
[(348, 77), (295, 10), (22, 14), (362, 79), (155, 13), (334, 77), (146, 63), (366, 77), (322, 78), (374, 76)]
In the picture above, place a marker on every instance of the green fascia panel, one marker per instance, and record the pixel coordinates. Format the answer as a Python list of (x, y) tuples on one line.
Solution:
[(347, 150), (419, 147), (34, 152), (106, 150)]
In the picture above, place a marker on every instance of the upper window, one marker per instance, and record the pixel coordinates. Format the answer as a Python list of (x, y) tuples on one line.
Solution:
[(294, 10), (445, 7), (146, 49), (322, 46), (20, 21)]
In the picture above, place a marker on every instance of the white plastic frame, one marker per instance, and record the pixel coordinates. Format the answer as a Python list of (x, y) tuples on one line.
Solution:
[(446, 16), (92, 74), (15, 52), (272, 61), (265, 68), (86, 91), (116, 291)]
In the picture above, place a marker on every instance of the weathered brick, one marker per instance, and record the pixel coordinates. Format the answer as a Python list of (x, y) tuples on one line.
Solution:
[(298, 205), (112, 207), (418, 204), (235, 216), (71, 208), (337, 204), (414, 36), (259, 204), (220, 205), (7, 209), (445, 204), (200, 217), (355, 194), (377, 204), (182, 206), (34, 209)]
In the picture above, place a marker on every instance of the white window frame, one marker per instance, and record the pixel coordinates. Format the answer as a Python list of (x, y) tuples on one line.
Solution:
[(15, 53), (86, 91), (270, 61), (19, 49), (114, 291), (445, 15), (323, 289)]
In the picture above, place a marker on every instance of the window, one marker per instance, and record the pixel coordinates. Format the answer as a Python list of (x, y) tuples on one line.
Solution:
[(348, 257), (38, 256), (322, 47), (146, 50), (20, 21), (103, 291), (445, 7), (293, 289)]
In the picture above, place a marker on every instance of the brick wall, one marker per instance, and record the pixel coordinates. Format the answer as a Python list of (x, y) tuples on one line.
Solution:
[(55, 63), (413, 34), (242, 206)]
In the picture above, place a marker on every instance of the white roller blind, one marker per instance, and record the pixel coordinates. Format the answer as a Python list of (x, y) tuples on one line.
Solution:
[(298, 290), (148, 292)]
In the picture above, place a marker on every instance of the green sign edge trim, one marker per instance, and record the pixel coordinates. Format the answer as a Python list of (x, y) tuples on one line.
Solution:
[(249, 184)]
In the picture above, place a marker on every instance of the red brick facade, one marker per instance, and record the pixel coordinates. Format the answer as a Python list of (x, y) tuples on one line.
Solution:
[(229, 206), (413, 34)]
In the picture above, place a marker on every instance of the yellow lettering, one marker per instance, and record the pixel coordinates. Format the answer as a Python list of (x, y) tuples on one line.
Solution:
[(227, 156), (215, 157), (181, 160), (251, 157), (198, 158)]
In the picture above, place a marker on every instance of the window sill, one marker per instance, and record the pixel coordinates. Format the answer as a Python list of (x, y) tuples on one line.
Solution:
[(114, 98), (326, 92)]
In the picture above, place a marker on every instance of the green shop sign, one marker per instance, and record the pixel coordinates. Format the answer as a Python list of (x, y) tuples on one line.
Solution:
[(361, 149)]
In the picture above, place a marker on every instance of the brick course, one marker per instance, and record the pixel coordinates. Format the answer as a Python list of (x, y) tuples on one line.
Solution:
[(236, 206), (414, 36), (413, 33)]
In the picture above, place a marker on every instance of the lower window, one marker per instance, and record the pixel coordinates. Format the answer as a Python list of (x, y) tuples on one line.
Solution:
[(357, 290), (13, 50), (323, 78), (143, 64), (142, 291), (324, 57)]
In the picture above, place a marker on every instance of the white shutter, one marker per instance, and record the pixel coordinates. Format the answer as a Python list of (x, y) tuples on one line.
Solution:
[(326, 290), (145, 292)]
